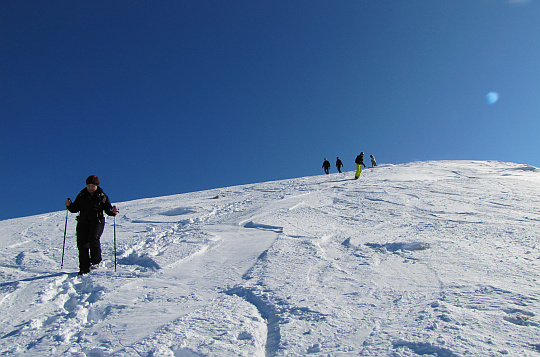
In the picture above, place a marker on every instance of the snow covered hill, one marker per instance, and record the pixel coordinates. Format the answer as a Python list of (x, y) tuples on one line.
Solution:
[(426, 258)]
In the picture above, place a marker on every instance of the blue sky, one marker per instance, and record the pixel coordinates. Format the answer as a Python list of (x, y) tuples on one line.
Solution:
[(165, 97)]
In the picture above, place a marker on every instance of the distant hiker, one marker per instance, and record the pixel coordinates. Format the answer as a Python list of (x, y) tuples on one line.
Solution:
[(373, 162), (339, 164), (90, 202), (326, 166), (359, 163)]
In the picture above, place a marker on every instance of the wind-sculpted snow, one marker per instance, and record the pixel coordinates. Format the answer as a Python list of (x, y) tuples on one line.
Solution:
[(419, 259)]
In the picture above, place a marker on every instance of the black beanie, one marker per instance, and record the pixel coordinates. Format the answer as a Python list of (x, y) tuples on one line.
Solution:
[(93, 179)]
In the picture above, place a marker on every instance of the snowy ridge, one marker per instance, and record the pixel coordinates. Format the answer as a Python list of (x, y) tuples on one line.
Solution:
[(426, 258)]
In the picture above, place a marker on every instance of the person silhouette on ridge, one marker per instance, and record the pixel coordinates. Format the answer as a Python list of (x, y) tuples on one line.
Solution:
[(326, 166), (339, 164), (373, 162), (359, 163)]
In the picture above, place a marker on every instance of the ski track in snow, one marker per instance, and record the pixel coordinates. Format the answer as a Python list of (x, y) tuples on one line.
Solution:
[(427, 258)]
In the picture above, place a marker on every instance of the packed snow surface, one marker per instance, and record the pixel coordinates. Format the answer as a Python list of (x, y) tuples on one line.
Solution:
[(420, 259)]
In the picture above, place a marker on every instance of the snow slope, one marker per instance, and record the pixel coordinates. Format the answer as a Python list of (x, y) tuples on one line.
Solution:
[(426, 258)]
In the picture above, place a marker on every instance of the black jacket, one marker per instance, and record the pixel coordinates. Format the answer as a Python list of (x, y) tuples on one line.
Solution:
[(91, 206), (360, 160)]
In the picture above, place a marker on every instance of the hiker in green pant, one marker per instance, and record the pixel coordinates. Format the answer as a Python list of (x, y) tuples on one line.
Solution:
[(359, 163)]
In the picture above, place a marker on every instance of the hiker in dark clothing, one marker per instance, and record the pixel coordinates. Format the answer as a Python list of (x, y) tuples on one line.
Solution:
[(339, 164), (359, 163), (90, 202), (326, 166)]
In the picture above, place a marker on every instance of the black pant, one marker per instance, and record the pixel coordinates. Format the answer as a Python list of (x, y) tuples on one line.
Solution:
[(88, 235)]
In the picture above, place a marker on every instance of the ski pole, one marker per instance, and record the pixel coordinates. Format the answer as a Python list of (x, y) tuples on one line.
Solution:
[(114, 243), (64, 245)]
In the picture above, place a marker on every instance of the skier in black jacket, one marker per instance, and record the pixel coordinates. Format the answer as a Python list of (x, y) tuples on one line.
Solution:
[(359, 163), (339, 164), (326, 166), (90, 202)]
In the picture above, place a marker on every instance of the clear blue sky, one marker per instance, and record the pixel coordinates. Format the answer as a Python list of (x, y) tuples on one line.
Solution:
[(165, 97)]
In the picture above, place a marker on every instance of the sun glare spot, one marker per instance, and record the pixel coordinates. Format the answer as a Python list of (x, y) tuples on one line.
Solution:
[(492, 97)]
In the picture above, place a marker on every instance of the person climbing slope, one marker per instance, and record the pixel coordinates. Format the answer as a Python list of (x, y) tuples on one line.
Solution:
[(339, 164), (326, 166), (359, 163), (373, 161)]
